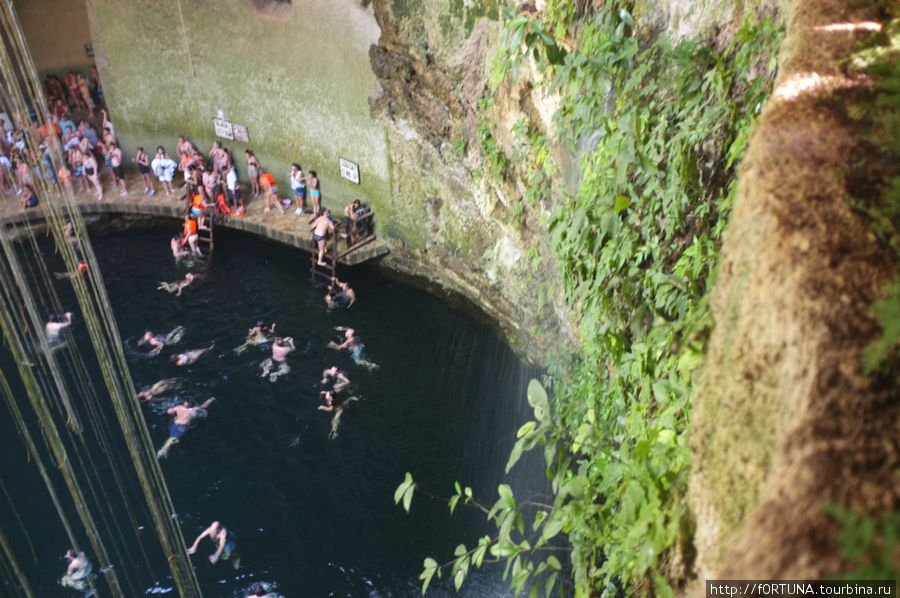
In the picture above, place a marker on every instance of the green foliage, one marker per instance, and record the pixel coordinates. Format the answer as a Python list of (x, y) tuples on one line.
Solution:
[(636, 248), (882, 116), (871, 542)]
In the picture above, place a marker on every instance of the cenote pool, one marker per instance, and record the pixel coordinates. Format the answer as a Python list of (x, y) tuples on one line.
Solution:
[(314, 516)]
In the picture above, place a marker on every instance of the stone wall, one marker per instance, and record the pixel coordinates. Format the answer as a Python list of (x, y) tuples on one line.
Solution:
[(56, 31)]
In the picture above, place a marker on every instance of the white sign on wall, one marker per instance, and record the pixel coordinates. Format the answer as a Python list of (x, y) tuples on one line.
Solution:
[(350, 170), (223, 128)]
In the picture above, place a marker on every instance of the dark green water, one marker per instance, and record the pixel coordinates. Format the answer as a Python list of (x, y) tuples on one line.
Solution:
[(312, 515)]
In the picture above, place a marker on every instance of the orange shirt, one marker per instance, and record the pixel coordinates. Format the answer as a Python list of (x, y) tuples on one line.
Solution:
[(267, 181)]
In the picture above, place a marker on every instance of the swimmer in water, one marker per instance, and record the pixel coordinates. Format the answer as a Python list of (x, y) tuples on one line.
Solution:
[(177, 286), (354, 345), (178, 250), (333, 403), (53, 329), (158, 388), (259, 591), (77, 572), (225, 542), (339, 294), (82, 268), (258, 335), (184, 415), (341, 381), (158, 341), (280, 349), (189, 357)]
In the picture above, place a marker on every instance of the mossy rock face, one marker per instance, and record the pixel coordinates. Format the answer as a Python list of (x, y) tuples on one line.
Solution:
[(784, 421), (298, 78)]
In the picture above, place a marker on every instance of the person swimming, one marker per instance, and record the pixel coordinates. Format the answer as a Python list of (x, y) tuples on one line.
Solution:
[(177, 286), (354, 345), (77, 572), (160, 387), (189, 357), (258, 335), (280, 349), (225, 541), (334, 403), (341, 381), (52, 329), (158, 341), (184, 415)]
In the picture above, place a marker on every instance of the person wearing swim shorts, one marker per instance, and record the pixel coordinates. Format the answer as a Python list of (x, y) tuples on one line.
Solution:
[(276, 366), (184, 415), (320, 227), (115, 163), (225, 541)]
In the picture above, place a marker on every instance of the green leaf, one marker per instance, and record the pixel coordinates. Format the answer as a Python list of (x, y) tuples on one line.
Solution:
[(537, 398), (430, 568), (552, 528), (405, 492), (622, 203)]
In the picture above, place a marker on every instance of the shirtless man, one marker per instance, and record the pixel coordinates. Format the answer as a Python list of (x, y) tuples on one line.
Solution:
[(320, 227), (52, 329), (341, 381), (178, 250), (339, 294), (280, 349), (153, 392), (177, 286), (189, 357), (184, 415), (258, 335), (183, 147), (354, 345), (335, 404), (158, 341), (115, 162), (77, 572), (225, 544)]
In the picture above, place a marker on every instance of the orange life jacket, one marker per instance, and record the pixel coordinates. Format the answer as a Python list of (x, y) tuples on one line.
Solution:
[(64, 175), (190, 228), (267, 181)]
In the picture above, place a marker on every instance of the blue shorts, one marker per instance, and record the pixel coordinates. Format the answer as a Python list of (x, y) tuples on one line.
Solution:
[(177, 430), (300, 192), (318, 237), (356, 352)]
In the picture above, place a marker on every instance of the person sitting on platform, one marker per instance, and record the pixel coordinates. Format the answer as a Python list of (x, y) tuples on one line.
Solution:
[(77, 572), (184, 415)]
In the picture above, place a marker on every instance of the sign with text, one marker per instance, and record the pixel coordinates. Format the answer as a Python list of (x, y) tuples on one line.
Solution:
[(350, 170), (223, 128), (240, 132)]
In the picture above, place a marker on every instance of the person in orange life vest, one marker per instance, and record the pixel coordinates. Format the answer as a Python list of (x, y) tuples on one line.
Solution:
[(267, 182), (65, 178), (221, 206), (190, 234)]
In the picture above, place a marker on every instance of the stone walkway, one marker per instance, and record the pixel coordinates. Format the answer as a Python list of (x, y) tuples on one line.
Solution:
[(287, 228)]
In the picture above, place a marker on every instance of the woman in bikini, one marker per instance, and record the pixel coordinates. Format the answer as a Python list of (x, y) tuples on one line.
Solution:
[(76, 159), (253, 172), (315, 194), (91, 171), (143, 162)]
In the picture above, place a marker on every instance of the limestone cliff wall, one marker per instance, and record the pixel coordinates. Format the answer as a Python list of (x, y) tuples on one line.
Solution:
[(784, 421)]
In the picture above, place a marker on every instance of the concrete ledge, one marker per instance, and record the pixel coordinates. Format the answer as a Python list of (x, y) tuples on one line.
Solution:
[(287, 228)]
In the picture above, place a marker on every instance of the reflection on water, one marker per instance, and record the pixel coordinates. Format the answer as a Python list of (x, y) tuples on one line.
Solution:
[(313, 516)]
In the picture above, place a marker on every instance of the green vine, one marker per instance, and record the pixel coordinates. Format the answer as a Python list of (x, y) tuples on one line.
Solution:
[(637, 249)]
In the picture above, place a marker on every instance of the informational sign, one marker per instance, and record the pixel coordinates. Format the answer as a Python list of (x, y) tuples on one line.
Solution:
[(350, 170), (240, 132), (223, 128)]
